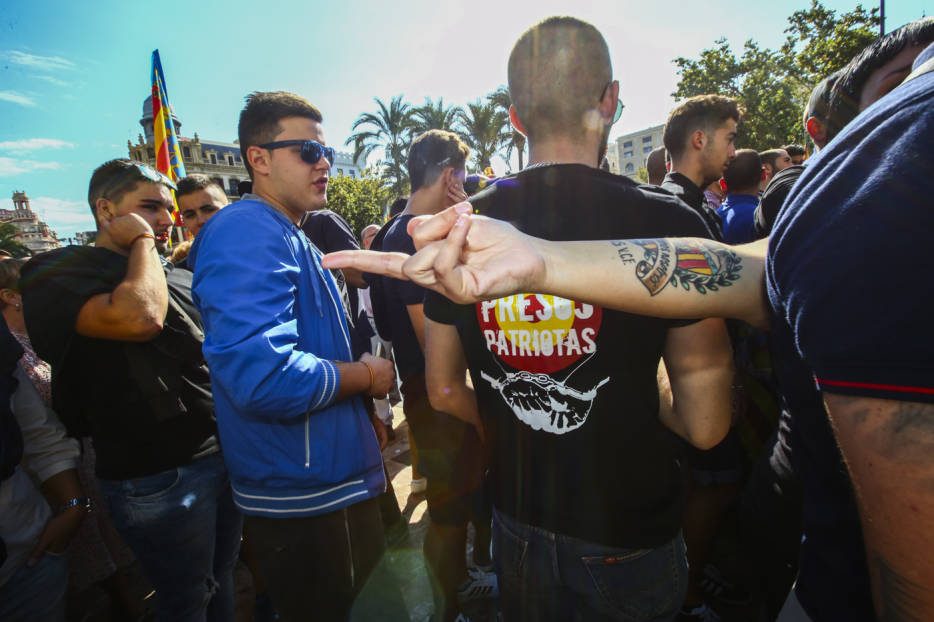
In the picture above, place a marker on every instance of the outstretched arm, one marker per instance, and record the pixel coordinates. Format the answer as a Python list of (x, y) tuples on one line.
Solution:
[(469, 258)]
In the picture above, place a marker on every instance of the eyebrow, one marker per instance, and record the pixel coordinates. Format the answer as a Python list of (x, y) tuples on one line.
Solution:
[(156, 202)]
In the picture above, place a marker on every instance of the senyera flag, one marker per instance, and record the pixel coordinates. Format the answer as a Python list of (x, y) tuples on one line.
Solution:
[(168, 153)]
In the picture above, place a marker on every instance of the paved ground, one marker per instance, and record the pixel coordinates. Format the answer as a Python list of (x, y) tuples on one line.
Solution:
[(404, 559)]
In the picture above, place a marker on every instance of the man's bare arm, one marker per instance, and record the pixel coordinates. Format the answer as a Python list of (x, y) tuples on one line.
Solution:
[(470, 258), (699, 362), (446, 374), (135, 309), (889, 449)]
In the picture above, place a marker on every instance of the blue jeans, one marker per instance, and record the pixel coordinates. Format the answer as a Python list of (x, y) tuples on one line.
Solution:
[(184, 529), (548, 576), (36, 594)]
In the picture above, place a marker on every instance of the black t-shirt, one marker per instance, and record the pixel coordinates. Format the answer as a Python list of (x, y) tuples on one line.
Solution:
[(686, 190), (569, 390), (113, 390), (396, 296), (774, 197), (331, 233)]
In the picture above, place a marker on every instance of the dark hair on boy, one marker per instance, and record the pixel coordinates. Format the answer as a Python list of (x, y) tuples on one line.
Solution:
[(431, 153), (769, 157), (702, 112), (744, 173), (259, 119), (794, 150), (115, 178), (194, 183), (398, 205), (844, 99)]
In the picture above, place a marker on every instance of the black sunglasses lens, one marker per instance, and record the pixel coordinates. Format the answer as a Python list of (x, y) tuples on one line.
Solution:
[(312, 152)]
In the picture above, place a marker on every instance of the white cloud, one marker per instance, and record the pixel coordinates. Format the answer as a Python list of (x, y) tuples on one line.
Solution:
[(52, 80), (31, 144), (63, 216), (16, 98), (46, 63), (18, 166)]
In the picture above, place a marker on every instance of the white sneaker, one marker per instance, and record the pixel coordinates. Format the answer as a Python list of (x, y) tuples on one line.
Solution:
[(478, 584), (419, 485)]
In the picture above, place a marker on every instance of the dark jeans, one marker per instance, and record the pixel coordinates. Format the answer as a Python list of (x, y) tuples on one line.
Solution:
[(327, 567), (546, 576), (184, 529)]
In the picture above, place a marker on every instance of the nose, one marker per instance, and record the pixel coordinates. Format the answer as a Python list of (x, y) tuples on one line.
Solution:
[(165, 216)]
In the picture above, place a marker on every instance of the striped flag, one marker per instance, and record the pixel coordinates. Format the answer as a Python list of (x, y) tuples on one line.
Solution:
[(168, 153)]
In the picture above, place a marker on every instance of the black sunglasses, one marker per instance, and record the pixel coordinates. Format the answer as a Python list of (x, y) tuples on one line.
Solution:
[(311, 150)]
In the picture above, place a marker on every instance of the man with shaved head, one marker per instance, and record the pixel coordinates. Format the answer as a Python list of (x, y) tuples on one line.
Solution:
[(568, 392), (656, 166)]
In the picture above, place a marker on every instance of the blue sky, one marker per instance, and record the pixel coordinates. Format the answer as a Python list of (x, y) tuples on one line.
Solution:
[(73, 78)]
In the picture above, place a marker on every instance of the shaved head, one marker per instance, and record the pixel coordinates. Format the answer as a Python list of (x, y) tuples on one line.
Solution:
[(558, 71)]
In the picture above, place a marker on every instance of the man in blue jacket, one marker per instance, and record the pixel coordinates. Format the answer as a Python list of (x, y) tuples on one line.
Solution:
[(303, 457)]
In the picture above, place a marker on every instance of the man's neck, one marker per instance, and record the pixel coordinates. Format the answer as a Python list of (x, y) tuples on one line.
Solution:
[(104, 240), (425, 202), (563, 151), (690, 170), (295, 217)]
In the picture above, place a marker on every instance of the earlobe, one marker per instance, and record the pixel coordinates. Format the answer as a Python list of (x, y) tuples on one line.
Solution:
[(514, 119)]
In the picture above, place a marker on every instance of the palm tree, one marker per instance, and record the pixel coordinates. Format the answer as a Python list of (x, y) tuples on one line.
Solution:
[(9, 243), (434, 116), (481, 127), (515, 140), (389, 129)]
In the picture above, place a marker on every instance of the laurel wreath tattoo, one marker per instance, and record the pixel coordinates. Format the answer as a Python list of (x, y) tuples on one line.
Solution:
[(690, 263)]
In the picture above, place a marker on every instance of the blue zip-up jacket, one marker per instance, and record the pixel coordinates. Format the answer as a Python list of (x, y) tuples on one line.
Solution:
[(274, 324)]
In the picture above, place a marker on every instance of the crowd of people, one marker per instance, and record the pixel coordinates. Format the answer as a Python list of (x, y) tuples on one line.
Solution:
[(578, 355)]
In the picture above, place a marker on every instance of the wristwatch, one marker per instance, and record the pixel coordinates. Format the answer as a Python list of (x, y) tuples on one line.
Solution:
[(84, 502)]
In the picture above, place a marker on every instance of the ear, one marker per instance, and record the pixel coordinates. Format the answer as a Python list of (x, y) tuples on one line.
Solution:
[(817, 131), (609, 101), (104, 209), (7, 296), (516, 123), (258, 159), (698, 139)]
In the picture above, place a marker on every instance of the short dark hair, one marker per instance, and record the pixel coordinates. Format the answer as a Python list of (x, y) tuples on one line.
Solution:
[(259, 119), (194, 183), (431, 153), (397, 206), (655, 165), (795, 150), (844, 98), (115, 178), (769, 157), (558, 69), (702, 112), (9, 273), (744, 172)]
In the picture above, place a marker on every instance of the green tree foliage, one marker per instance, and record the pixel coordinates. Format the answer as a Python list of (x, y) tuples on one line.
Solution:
[(434, 116), (389, 129), (360, 201), (774, 85), (513, 138), (642, 175), (10, 243), (481, 127)]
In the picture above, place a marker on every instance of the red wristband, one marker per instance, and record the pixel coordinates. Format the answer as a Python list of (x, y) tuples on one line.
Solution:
[(142, 235)]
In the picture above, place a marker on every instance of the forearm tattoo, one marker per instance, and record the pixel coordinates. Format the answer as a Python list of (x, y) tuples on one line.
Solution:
[(688, 262)]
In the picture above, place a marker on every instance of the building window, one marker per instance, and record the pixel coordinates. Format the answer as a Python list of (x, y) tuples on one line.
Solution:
[(353, 174), (237, 158), (627, 154), (186, 153), (152, 154), (630, 168), (340, 172), (219, 181), (204, 154), (230, 160), (646, 139), (213, 158), (234, 183), (647, 149), (627, 144)]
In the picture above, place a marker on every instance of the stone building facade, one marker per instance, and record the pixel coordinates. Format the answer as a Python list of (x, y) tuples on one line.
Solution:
[(34, 234), (633, 148)]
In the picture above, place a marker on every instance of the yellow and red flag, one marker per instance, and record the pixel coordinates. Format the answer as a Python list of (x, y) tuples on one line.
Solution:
[(168, 153)]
